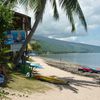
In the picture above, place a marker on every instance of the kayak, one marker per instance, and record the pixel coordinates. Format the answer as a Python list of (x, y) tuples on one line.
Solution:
[(87, 69), (84, 69), (51, 79)]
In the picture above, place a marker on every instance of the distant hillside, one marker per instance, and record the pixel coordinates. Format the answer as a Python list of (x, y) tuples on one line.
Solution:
[(57, 46)]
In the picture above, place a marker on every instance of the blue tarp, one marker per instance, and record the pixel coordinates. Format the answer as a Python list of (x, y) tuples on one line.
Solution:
[(35, 65), (1, 78), (8, 42)]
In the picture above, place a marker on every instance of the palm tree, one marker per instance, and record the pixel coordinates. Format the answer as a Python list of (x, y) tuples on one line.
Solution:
[(71, 7)]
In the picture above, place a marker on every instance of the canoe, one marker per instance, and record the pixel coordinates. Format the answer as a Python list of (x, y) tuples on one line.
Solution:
[(51, 79)]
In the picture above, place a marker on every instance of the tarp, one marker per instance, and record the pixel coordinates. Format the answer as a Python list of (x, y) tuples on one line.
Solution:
[(34, 65), (1, 78)]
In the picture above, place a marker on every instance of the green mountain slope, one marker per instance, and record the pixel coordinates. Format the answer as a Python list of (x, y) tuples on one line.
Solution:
[(57, 46)]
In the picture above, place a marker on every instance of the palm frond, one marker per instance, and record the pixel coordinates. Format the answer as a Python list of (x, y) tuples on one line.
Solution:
[(71, 19), (12, 3), (24, 3), (69, 4), (55, 10), (71, 7), (39, 8), (81, 16)]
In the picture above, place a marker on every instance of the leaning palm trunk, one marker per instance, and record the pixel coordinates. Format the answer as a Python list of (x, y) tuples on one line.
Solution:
[(38, 15), (28, 38)]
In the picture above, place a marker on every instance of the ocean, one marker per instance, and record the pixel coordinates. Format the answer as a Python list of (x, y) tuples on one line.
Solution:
[(86, 59)]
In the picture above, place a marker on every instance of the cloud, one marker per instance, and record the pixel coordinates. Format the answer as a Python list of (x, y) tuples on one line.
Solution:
[(73, 38), (91, 12), (93, 26)]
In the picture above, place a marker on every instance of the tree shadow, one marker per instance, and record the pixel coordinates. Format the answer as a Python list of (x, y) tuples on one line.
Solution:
[(70, 83), (73, 84)]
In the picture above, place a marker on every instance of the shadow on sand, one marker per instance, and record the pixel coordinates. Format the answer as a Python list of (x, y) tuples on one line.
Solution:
[(73, 84)]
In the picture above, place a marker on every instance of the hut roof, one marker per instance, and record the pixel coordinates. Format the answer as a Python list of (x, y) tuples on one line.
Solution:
[(21, 20)]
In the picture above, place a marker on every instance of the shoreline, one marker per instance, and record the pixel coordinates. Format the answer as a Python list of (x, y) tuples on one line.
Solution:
[(76, 58), (70, 67)]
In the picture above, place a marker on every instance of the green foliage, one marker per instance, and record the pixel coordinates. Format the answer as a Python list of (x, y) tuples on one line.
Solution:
[(6, 19), (35, 46), (6, 16), (25, 68), (57, 46), (3, 56), (10, 65), (3, 95)]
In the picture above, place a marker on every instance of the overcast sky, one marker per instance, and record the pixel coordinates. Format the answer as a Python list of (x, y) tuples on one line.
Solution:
[(62, 29)]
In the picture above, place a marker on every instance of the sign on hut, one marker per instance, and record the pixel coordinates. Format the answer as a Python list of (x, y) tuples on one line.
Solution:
[(17, 35)]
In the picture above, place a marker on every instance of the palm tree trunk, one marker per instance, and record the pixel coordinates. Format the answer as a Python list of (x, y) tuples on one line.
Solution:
[(28, 38)]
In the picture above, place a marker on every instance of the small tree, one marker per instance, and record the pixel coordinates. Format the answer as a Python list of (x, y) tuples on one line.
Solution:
[(35, 46), (6, 16)]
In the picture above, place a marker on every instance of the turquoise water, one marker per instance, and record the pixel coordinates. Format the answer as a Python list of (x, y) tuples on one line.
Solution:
[(87, 59)]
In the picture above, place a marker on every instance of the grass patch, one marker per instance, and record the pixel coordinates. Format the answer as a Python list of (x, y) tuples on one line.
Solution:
[(3, 95), (20, 83)]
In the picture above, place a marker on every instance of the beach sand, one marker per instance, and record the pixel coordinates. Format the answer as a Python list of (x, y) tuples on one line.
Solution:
[(80, 88)]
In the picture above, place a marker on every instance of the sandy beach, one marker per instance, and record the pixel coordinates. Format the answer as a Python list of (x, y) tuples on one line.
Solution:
[(79, 88)]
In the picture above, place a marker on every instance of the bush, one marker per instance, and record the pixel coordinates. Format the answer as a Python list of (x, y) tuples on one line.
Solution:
[(25, 68)]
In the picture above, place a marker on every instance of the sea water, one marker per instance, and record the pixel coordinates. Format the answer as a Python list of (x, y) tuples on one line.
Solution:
[(87, 59)]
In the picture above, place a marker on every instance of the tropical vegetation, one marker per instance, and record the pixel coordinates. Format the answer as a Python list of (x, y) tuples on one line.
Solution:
[(70, 7), (6, 16), (35, 46)]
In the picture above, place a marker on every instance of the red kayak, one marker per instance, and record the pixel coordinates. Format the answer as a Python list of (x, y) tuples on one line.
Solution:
[(84, 69), (87, 69)]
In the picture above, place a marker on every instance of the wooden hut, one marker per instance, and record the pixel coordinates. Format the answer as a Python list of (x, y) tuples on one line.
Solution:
[(21, 22)]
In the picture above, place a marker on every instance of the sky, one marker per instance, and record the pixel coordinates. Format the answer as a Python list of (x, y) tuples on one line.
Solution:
[(61, 29)]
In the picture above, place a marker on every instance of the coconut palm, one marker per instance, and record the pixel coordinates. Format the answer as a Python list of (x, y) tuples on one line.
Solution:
[(71, 7)]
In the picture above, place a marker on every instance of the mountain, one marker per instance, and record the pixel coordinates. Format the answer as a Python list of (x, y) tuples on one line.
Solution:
[(57, 46)]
